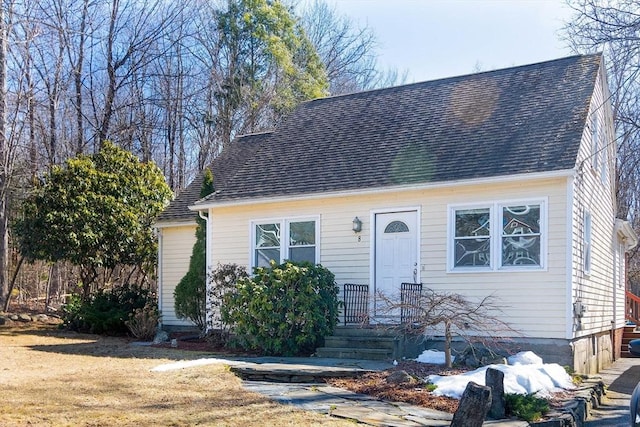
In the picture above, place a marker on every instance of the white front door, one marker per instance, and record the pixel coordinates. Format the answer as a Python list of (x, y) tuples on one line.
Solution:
[(396, 255)]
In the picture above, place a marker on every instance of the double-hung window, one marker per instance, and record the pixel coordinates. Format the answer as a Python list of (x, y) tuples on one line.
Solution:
[(497, 236), (284, 239)]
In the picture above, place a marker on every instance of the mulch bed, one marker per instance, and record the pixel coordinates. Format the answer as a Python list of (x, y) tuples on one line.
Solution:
[(414, 392)]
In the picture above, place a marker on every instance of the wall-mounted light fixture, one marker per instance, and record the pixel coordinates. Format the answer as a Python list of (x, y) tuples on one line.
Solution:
[(357, 225)]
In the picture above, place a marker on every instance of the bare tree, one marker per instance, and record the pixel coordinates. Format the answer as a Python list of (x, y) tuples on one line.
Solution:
[(348, 52), (433, 313), (4, 172), (614, 28)]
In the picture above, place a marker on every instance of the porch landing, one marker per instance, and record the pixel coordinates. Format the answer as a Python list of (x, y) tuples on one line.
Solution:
[(382, 342)]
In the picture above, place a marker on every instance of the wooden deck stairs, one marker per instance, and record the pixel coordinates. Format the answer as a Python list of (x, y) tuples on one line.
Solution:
[(631, 332)]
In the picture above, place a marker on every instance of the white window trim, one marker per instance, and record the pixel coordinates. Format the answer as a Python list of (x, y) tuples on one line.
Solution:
[(495, 215), (284, 235)]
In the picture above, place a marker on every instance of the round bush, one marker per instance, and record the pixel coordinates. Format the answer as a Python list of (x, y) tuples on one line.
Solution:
[(285, 309)]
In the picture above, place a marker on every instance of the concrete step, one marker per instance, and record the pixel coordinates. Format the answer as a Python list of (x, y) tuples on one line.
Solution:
[(354, 353), (388, 343), (370, 331)]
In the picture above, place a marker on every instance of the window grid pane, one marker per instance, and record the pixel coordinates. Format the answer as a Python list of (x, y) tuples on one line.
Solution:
[(521, 235), (264, 256), (267, 235), (472, 252), (473, 238), (302, 233), (473, 222)]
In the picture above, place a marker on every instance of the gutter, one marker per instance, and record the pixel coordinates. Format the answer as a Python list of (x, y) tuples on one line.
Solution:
[(208, 204), (627, 234)]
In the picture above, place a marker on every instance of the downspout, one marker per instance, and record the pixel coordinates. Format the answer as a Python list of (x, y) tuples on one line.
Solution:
[(207, 256)]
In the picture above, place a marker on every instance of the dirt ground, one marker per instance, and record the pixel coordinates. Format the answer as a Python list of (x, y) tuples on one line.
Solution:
[(50, 377)]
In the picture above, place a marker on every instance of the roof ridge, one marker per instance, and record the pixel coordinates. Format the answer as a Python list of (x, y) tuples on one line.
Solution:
[(452, 78)]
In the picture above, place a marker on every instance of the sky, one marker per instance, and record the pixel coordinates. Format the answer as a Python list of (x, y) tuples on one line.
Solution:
[(432, 39)]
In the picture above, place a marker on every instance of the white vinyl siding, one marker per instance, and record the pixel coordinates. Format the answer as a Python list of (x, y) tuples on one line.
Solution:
[(593, 221), (176, 246), (586, 243), (534, 301), (596, 149)]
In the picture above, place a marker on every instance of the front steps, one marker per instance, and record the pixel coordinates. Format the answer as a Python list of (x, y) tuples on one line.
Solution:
[(369, 343), (629, 333)]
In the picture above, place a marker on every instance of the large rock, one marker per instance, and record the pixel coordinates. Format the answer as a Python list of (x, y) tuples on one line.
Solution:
[(400, 377), (41, 318), (495, 380), (24, 317), (474, 406)]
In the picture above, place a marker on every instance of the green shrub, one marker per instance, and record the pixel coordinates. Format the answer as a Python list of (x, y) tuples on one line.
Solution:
[(526, 406), (106, 311), (286, 309)]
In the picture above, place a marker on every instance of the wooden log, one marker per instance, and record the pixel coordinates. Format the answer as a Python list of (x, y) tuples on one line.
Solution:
[(473, 407), (495, 380)]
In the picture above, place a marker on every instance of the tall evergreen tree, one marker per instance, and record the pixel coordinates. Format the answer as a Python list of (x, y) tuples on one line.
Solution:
[(190, 293)]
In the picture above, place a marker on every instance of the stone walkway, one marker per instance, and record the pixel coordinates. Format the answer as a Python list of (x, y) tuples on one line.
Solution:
[(258, 374), (620, 379), (298, 381)]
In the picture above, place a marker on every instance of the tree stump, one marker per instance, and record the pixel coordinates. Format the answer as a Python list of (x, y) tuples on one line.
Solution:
[(473, 407), (495, 380)]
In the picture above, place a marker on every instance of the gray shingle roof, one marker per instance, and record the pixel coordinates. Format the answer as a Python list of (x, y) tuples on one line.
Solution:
[(223, 168), (517, 120)]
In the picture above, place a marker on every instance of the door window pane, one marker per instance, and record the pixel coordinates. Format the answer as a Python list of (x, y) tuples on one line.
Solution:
[(396, 227)]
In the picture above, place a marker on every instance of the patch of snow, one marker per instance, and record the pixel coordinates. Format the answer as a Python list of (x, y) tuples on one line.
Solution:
[(431, 356), (188, 364), (525, 358), (526, 374)]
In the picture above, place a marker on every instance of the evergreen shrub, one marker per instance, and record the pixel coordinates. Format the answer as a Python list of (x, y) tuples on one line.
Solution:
[(285, 309), (106, 311)]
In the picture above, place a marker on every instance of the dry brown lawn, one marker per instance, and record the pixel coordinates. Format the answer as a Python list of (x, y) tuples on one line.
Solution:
[(50, 377)]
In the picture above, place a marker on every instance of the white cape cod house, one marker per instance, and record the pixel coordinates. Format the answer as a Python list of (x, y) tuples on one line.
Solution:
[(499, 183)]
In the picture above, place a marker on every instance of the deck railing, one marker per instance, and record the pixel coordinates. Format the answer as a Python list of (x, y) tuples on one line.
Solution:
[(633, 307)]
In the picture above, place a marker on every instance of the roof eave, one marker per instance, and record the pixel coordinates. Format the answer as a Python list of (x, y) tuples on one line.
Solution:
[(175, 223), (209, 204)]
